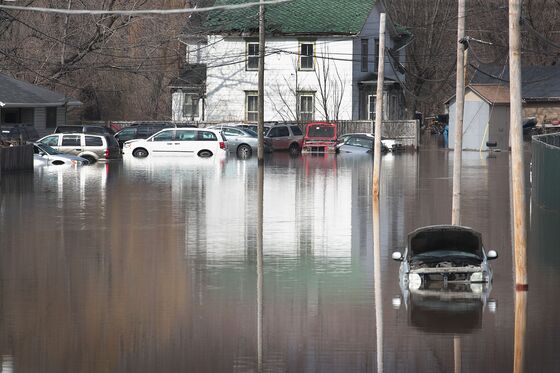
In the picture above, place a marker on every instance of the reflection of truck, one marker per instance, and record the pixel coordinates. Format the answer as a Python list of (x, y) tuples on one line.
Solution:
[(320, 137)]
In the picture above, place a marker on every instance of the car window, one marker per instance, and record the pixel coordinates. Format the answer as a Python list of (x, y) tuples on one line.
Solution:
[(278, 132), (183, 135), (232, 132), (207, 136), (94, 141), (50, 140), (94, 129), (71, 140), (360, 141), (36, 150), (296, 131), (111, 141), (164, 136), (127, 133)]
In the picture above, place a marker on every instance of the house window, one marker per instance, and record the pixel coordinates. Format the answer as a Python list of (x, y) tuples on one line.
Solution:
[(365, 55), (371, 107), (376, 54), (306, 107), (51, 117), (306, 56), (190, 106), (251, 106), (252, 56)]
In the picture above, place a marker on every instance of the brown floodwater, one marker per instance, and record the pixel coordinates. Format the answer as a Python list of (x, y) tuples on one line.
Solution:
[(152, 265)]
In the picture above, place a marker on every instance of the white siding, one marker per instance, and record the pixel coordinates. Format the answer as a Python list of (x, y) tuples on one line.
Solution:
[(177, 101), (228, 79)]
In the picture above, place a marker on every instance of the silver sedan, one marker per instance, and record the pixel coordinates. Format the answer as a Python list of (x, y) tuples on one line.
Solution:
[(242, 141)]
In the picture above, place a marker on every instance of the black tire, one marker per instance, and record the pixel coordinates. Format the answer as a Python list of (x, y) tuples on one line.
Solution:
[(89, 158), (244, 151), (294, 149), (140, 153), (205, 154)]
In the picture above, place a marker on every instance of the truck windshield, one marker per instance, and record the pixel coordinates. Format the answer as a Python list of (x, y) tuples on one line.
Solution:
[(320, 131)]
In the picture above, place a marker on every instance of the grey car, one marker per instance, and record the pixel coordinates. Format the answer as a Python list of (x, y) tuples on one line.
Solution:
[(242, 141), (89, 146), (439, 255), (44, 155)]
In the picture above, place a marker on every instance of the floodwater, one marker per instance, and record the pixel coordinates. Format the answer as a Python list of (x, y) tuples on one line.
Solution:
[(152, 266)]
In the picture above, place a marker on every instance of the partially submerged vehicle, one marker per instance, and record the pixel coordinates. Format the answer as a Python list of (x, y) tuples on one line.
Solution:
[(442, 254), (320, 137)]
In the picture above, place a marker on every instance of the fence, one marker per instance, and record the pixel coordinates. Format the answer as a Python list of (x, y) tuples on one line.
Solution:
[(546, 171), (16, 158)]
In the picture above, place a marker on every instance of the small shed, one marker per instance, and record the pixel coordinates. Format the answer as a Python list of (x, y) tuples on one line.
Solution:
[(485, 119), (29, 104)]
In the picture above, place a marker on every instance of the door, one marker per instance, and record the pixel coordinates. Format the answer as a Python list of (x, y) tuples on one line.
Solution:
[(71, 144), (163, 143), (280, 137), (187, 141)]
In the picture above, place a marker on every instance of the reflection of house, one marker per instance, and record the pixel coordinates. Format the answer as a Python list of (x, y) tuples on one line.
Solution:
[(25, 103), (486, 115), (321, 63)]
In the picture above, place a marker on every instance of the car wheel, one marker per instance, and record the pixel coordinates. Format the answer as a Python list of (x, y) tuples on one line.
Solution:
[(294, 149), (140, 153), (89, 158), (244, 151), (205, 154)]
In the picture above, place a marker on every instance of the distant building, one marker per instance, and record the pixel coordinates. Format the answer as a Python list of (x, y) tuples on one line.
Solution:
[(320, 63), (26, 103), (486, 115)]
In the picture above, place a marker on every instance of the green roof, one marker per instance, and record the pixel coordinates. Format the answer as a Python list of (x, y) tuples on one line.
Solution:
[(294, 17)]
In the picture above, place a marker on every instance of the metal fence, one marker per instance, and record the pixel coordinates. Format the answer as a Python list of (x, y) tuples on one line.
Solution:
[(545, 170)]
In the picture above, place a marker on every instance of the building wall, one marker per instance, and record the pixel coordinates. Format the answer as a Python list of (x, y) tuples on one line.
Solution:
[(475, 120), (228, 79), (40, 120), (499, 127), (545, 112)]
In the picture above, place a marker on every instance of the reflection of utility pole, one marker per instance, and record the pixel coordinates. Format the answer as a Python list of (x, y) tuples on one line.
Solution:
[(260, 127), (516, 142), (459, 109), (260, 263), (457, 353), (519, 331)]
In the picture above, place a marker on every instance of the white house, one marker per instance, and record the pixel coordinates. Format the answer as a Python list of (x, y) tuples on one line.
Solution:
[(320, 64)]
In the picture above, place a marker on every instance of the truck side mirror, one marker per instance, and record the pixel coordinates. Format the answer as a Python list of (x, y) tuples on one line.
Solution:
[(397, 256), (492, 254)]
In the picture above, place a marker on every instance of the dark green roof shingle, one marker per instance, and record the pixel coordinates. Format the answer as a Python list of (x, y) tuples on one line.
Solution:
[(294, 17)]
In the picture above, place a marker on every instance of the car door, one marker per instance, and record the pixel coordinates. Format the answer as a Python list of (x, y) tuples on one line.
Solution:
[(163, 143), (71, 144), (186, 141)]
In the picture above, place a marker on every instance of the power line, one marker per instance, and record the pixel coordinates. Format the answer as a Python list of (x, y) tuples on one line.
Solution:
[(141, 12)]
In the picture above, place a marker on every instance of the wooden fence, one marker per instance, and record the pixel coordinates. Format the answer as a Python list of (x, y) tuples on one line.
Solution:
[(16, 158)]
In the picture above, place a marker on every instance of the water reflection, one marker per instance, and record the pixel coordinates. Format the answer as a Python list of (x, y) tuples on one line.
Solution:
[(154, 266)]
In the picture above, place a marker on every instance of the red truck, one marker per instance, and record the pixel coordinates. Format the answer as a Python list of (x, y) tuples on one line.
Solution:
[(320, 137)]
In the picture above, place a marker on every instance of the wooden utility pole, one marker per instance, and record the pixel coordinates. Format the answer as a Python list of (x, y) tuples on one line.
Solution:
[(375, 193), (260, 126), (516, 142), (459, 110), (379, 108)]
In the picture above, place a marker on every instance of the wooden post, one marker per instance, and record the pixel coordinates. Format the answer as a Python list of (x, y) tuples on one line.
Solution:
[(379, 107), (260, 127), (459, 110), (260, 263), (516, 142)]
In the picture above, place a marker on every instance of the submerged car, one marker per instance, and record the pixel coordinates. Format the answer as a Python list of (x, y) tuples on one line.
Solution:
[(358, 143), (388, 144), (242, 141), (442, 254), (320, 137), (44, 155)]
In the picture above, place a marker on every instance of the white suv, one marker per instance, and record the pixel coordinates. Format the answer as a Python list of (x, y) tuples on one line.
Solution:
[(204, 143)]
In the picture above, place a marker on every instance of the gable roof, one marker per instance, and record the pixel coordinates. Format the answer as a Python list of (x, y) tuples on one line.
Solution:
[(305, 17), (539, 83), (492, 93), (17, 93)]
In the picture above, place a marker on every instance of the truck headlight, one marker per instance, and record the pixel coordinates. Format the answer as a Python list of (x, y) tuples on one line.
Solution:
[(414, 281)]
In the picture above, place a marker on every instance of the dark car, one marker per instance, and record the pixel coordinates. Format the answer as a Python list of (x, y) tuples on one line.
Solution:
[(140, 131), (87, 128), (18, 133)]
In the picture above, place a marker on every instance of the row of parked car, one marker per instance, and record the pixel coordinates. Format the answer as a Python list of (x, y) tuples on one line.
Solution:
[(98, 143)]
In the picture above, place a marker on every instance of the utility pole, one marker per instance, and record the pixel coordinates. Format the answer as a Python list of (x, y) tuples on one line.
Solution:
[(379, 108), (260, 126), (516, 142), (375, 194), (459, 109)]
